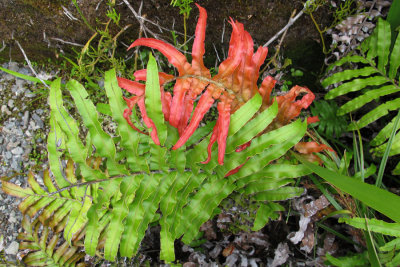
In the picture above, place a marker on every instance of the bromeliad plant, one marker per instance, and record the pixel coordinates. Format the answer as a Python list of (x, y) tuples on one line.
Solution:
[(166, 171)]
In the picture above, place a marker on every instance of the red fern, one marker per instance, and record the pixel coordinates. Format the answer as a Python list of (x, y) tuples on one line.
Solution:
[(234, 85)]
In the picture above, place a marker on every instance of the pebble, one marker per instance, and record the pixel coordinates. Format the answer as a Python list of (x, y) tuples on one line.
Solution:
[(38, 120), (12, 249), (25, 119), (11, 103), (4, 109), (17, 151)]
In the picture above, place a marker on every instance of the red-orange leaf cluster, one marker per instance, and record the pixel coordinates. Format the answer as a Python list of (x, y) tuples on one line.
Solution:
[(234, 85)]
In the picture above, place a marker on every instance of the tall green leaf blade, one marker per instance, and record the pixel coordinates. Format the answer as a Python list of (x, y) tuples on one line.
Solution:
[(153, 99), (151, 205), (384, 134), (275, 171), (244, 114), (129, 137), (291, 132), (395, 59), (76, 149), (355, 85), (349, 74), (370, 195), (104, 144), (374, 225), (167, 206), (120, 211), (56, 142), (137, 213), (252, 128), (201, 207), (383, 43), (367, 97), (375, 114), (265, 185)]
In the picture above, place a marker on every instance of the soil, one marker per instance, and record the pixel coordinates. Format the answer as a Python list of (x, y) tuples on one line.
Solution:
[(40, 25)]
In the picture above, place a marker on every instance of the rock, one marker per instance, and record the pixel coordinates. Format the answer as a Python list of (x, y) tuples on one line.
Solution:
[(38, 120), (8, 155), (11, 103), (5, 110), (12, 248), (25, 119), (20, 83), (17, 151), (11, 218), (13, 66)]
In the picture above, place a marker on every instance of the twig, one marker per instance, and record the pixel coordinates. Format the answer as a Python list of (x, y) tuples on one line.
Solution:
[(278, 47), (284, 29), (68, 13), (30, 65), (66, 42), (4, 47)]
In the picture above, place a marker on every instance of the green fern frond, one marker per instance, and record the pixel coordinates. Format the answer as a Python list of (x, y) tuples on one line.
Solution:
[(376, 77), (114, 187)]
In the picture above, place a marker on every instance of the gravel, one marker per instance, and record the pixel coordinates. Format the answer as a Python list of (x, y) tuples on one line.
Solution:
[(22, 124)]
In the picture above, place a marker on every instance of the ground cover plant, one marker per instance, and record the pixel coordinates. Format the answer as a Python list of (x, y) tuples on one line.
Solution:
[(159, 166)]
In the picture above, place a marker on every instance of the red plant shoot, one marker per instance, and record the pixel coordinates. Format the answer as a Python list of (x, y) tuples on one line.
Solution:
[(234, 85)]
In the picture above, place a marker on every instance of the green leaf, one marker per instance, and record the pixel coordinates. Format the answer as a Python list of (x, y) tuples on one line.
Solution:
[(367, 97), (395, 58), (383, 43), (370, 195), (265, 213), (25, 77), (349, 261), (349, 74), (153, 99), (104, 144), (252, 128), (129, 138), (120, 210), (244, 114), (374, 225), (392, 245), (375, 114), (355, 85)]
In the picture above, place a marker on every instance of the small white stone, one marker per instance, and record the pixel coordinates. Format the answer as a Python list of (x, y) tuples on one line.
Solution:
[(12, 248)]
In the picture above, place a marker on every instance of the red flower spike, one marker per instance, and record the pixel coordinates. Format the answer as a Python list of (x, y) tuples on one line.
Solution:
[(131, 86), (203, 106), (224, 110), (149, 122), (212, 141), (289, 108), (234, 85), (131, 102), (140, 75), (265, 90)]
